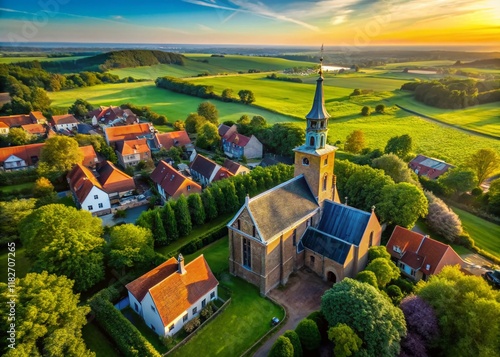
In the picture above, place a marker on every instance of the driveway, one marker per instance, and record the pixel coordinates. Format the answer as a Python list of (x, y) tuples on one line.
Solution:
[(301, 296)]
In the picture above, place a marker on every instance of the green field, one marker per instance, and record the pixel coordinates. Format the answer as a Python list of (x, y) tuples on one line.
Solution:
[(20, 186), (198, 63), (7, 59), (175, 106), (486, 235), (417, 64)]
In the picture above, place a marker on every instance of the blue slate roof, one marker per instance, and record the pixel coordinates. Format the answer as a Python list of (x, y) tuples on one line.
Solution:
[(344, 222), (326, 245)]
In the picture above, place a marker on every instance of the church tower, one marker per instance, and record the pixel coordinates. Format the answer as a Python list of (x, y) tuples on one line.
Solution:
[(315, 158)]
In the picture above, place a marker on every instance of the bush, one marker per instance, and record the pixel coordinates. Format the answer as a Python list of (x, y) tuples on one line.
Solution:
[(309, 335), (120, 213), (380, 108), (206, 239), (366, 111), (192, 325), (368, 277), (395, 294), (281, 348), (319, 319), (207, 311), (295, 340), (406, 286), (465, 240)]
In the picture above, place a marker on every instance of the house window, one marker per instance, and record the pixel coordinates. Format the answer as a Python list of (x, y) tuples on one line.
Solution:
[(412, 272), (203, 303), (195, 310), (152, 327), (294, 237), (96, 197), (247, 254), (371, 239), (189, 187), (326, 161), (136, 307), (311, 260), (305, 161), (90, 207), (212, 295), (239, 224), (311, 141), (171, 327), (325, 182), (100, 205), (153, 308), (185, 318), (322, 139), (253, 231)]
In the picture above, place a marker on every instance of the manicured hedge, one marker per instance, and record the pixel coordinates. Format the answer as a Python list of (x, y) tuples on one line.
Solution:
[(127, 338), (204, 240)]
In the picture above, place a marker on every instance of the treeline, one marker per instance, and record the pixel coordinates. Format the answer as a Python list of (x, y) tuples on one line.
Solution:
[(453, 93), (283, 78)]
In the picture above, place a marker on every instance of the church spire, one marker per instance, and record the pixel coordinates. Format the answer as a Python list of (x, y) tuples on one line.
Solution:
[(317, 119)]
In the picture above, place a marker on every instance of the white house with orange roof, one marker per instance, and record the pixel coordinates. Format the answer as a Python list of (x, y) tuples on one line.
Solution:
[(131, 152), (64, 122), (172, 294)]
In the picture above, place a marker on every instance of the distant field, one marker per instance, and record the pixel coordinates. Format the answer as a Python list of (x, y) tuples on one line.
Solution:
[(41, 59), (214, 65), (420, 64), (175, 106), (366, 82)]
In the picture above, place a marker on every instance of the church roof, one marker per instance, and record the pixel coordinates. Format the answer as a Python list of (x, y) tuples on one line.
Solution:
[(279, 208), (318, 110), (326, 245)]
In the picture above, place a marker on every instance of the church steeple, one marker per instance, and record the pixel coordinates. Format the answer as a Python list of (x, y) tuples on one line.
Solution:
[(317, 119)]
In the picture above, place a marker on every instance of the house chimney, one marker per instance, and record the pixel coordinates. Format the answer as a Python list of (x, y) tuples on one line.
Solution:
[(180, 264), (247, 198)]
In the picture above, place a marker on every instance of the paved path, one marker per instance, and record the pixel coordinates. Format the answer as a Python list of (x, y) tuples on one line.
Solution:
[(300, 297)]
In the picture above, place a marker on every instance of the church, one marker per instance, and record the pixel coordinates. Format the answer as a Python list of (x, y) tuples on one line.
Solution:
[(301, 222)]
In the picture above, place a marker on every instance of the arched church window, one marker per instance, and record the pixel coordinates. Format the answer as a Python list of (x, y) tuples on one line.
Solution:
[(322, 141), (311, 141), (305, 161), (325, 182)]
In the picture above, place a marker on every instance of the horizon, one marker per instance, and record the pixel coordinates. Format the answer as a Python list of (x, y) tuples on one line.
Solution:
[(296, 23)]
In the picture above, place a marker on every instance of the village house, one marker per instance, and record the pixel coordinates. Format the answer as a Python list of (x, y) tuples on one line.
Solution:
[(428, 166), (65, 122), (128, 132), (236, 145), (301, 221), (112, 116), (172, 294), (15, 121), (4, 129), (20, 157), (90, 159), (37, 130), (171, 183), (418, 256), (203, 169), (131, 152), (235, 168), (172, 139)]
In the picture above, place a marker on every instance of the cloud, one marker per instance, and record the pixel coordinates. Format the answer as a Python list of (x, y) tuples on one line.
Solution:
[(16, 11), (117, 17)]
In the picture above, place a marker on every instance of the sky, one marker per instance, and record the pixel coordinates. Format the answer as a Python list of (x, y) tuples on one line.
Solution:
[(254, 22)]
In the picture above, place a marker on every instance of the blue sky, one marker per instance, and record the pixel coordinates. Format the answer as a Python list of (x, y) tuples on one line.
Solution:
[(292, 22)]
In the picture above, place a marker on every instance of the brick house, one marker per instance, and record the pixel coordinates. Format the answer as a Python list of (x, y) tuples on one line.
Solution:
[(171, 183), (235, 168), (128, 132), (131, 152), (236, 145), (428, 166), (301, 221)]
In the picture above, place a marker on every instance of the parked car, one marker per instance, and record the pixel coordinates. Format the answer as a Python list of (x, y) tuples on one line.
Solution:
[(493, 277)]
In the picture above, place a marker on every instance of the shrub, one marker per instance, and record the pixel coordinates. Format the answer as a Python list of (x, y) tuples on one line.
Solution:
[(368, 277), (282, 347), (406, 286), (441, 219), (395, 294), (309, 335), (295, 340), (192, 325), (120, 213), (319, 319), (465, 240), (207, 311), (380, 108), (366, 111)]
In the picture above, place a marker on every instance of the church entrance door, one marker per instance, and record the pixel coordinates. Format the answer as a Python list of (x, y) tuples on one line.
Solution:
[(331, 277)]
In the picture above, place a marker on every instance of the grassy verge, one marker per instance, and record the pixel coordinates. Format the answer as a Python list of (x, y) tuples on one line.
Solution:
[(216, 255), (98, 342), (486, 235)]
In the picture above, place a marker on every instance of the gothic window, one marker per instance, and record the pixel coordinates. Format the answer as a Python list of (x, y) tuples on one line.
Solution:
[(311, 141), (322, 141), (239, 225), (305, 161), (254, 232), (247, 254), (326, 161), (371, 239), (325, 182)]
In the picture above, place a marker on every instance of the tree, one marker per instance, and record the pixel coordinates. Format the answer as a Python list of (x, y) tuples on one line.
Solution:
[(44, 191), (99, 144), (378, 323), (364, 187), (295, 340), (194, 122), (130, 245), (227, 95), (258, 122), (209, 205), (355, 142), (179, 125), (244, 120), (385, 271), (366, 111), (399, 145), (494, 197), (208, 136), (170, 221), (246, 96), (13, 212), (196, 209), (396, 168), (80, 108), (309, 335), (468, 311), (484, 163), (58, 156), (380, 108), (457, 181), (65, 241), (282, 347), (378, 251), (395, 294), (18, 136), (319, 319), (402, 204), (368, 277), (441, 219), (182, 216), (346, 341), (159, 234), (39, 99), (48, 317), (209, 112)]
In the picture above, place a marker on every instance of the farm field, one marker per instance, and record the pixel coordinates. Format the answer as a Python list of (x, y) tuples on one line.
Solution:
[(420, 64), (214, 65), (368, 81), (174, 105), (7, 59), (486, 235)]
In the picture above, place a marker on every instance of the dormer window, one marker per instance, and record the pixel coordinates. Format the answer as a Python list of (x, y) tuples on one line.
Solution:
[(396, 248)]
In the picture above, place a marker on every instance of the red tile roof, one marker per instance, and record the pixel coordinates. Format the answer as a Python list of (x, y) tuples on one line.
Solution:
[(38, 117), (29, 153), (129, 147), (237, 139), (16, 120), (127, 132), (174, 138), (34, 128), (64, 119), (428, 166), (223, 128), (223, 173), (3, 125), (172, 181), (178, 292), (114, 180), (89, 155), (234, 167), (81, 180), (421, 252)]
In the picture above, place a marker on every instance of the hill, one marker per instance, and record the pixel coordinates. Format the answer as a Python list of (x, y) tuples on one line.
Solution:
[(485, 63)]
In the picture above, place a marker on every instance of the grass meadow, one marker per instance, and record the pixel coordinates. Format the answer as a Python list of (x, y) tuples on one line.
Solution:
[(7, 59)]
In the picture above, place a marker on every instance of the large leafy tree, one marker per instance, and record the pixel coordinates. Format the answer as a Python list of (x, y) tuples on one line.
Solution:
[(246, 96), (399, 145), (484, 163), (49, 317), (396, 168), (58, 156), (209, 112), (65, 241), (309, 335), (458, 181), (384, 269), (80, 108), (193, 122), (18, 136), (468, 311), (402, 204), (346, 341), (368, 313), (364, 187), (13, 212), (355, 142), (282, 347), (130, 245), (208, 136)]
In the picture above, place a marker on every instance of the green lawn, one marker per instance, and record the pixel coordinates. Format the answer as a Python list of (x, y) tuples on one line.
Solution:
[(460, 250), (8, 59), (231, 333), (98, 342), (21, 186), (23, 265), (216, 255), (486, 235)]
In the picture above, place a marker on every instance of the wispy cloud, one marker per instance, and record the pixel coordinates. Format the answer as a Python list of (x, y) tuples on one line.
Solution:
[(117, 17), (205, 28), (16, 11)]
